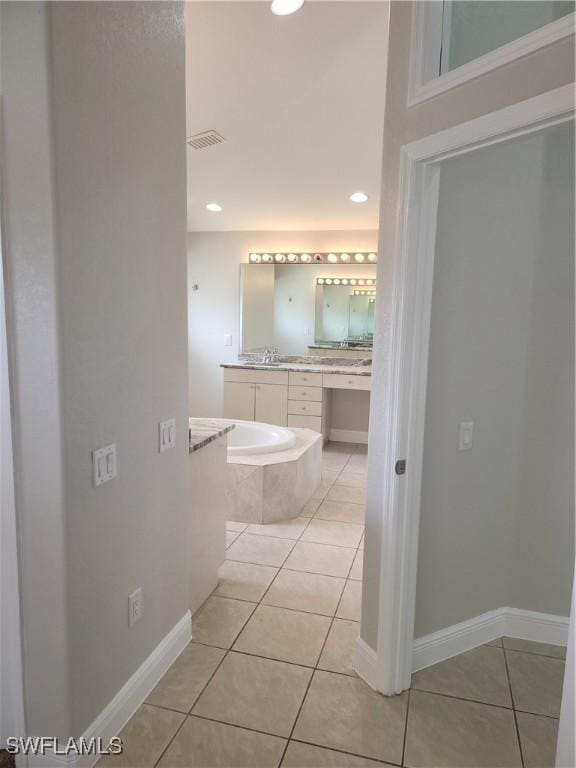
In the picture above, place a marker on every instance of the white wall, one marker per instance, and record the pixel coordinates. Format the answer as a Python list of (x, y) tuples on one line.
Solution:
[(214, 260), (94, 111), (535, 74), (501, 354)]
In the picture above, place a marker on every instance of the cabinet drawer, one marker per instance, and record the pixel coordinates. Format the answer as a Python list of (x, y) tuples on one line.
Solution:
[(305, 393), (304, 408), (255, 376), (310, 422), (298, 378), (346, 381)]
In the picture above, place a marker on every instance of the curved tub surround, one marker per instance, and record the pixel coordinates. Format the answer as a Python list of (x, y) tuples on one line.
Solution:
[(255, 438), (267, 487)]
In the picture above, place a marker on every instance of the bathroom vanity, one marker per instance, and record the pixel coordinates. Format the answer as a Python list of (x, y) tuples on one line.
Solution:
[(293, 393), (208, 443)]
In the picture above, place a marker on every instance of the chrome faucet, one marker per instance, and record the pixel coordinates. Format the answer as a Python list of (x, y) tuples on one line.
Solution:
[(269, 355)]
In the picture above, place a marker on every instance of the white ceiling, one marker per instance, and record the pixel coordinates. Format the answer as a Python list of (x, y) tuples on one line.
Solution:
[(300, 101)]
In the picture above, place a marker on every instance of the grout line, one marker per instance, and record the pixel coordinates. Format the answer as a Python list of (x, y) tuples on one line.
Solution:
[(513, 708), (533, 653), (376, 760), (406, 728)]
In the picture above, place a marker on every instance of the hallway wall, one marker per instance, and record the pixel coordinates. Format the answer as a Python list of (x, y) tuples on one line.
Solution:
[(94, 110)]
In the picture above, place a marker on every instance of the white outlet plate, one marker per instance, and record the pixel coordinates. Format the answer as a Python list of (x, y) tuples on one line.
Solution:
[(166, 435), (227, 339), (465, 435), (104, 464), (135, 606)]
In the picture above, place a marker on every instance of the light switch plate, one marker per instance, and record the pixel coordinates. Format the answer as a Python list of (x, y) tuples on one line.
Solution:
[(227, 339), (135, 606), (166, 435), (465, 433), (104, 464)]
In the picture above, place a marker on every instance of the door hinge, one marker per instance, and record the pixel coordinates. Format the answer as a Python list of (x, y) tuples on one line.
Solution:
[(400, 467)]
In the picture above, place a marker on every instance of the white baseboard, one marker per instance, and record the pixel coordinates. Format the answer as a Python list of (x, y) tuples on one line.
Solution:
[(348, 436), (510, 622), (133, 693), (365, 662)]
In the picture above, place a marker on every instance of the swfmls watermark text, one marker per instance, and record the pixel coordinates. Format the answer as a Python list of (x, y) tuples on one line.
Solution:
[(49, 745)]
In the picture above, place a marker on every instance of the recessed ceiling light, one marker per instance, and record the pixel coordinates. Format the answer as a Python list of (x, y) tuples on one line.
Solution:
[(359, 197), (285, 7), (214, 207)]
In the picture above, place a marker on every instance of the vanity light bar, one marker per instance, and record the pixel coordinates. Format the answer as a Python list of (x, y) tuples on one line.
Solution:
[(345, 281), (364, 293), (312, 258)]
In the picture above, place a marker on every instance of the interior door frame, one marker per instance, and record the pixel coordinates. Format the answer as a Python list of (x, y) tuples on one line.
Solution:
[(413, 268)]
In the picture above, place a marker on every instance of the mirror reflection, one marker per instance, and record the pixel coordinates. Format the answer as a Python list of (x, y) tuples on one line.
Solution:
[(307, 309)]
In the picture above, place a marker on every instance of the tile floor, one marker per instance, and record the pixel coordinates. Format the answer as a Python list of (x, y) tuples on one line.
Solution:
[(268, 678)]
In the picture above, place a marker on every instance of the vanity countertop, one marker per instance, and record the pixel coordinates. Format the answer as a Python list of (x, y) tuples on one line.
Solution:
[(346, 367), (204, 431)]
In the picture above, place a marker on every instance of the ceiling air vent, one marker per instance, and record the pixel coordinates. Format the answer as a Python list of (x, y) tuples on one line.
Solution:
[(205, 139)]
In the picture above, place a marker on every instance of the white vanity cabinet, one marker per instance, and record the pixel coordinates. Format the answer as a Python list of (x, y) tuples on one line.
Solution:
[(253, 395), (286, 398)]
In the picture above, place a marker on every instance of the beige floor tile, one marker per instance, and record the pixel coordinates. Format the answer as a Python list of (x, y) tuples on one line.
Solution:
[(356, 572), (351, 603), (536, 682), (255, 693), (338, 534), (300, 755), (538, 736), (309, 592), (231, 537), (288, 529), (528, 646), (361, 448), (320, 558), (261, 550), (206, 744), (184, 681), (244, 581), (340, 511), (338, 653), (334, 461), (497, 642), (238, 527), (310, 507), (344, 713), (337, 446), (346, 493), (453, 733), (358, 462), (479, 674), (322, 489), (361, 545), (219, 621), (282, 634), (330, 474), (145, 737), (354, 479)]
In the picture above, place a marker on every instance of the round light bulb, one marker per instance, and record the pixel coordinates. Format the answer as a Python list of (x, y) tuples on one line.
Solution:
[(353, 281), (372, 257), (344, 281), (361, 282), (292, 257), (255, 258), (279, 257), (332, 258), (214, 207), (267, 257), (328, 281), (359, 257), (285, 7), (305, 257), (359, 197), (344, 257), (320, 281), (336, 281)]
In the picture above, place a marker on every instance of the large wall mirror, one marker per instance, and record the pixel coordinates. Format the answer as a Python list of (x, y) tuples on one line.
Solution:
[(297, 308)]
